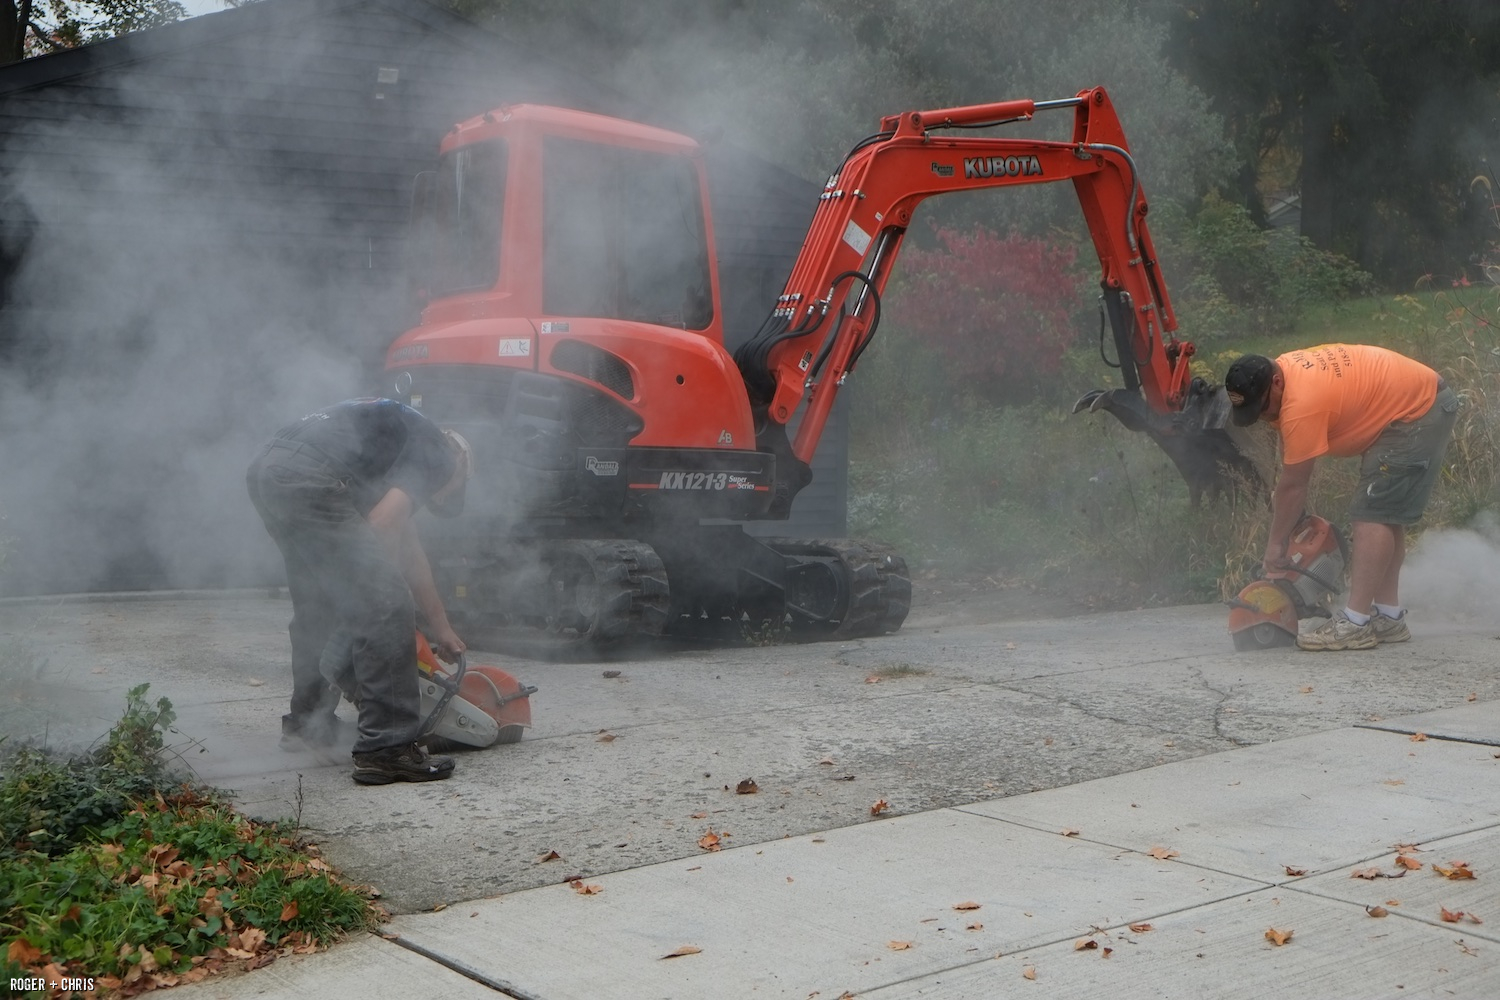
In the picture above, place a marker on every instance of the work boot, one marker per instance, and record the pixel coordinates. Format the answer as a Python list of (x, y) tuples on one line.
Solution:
[(411, 762), (316, 732), (1339, 632), (1388, 629)]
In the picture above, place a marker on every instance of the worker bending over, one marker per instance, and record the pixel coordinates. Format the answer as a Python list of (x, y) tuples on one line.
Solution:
[(337, 491), (1345, 400)]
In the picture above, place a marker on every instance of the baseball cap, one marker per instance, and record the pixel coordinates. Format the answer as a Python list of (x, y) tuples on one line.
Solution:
[(1248, 383)]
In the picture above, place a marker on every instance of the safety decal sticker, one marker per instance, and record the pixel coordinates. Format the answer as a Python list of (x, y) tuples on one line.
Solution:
[(516, 347)]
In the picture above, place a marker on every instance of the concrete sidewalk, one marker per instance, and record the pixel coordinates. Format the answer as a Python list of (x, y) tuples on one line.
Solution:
[(1166, 889)]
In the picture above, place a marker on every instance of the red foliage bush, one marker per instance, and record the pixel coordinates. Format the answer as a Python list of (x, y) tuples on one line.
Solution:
[(999, 310)]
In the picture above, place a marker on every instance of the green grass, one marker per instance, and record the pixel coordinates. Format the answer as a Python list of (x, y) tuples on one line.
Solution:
[(113, 868), (1081, 507)]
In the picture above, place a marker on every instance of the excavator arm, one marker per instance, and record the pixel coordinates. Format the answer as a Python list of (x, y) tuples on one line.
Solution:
[(830, 307)]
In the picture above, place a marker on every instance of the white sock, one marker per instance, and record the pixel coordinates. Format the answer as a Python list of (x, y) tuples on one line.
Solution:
[(1356, 617), (1390, 610)]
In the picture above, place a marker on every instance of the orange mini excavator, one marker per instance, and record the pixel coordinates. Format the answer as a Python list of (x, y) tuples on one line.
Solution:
[(572, 331)]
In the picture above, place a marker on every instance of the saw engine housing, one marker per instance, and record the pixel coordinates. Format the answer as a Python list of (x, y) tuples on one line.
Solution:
[(1265, 613)]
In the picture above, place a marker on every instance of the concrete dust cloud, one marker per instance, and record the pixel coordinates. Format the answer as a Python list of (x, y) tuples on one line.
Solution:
[(1456, 572)]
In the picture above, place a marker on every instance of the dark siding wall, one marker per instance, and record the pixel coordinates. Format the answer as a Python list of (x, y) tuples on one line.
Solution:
[(201, 236)]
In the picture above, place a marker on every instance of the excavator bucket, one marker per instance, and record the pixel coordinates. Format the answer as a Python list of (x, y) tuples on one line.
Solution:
[(1196, 438)]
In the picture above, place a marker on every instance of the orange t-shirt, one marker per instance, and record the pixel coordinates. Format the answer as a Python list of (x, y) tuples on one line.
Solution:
[(1339, 397)]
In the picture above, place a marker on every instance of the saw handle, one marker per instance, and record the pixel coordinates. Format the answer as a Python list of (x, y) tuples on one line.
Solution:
[(450, 685)]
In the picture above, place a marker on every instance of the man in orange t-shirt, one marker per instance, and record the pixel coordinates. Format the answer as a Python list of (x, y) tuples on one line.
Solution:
[(1344, 400)]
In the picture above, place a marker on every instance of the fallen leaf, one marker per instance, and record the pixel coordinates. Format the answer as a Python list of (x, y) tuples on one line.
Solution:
[(549, 856), (605, 737), (251, 939), (1068, 831), (1465, 948), (585, 890), (255, 682), (827, 761), (1141, 928), (898, 945), (1163, 853), (1393, 782), (261, 962), (1419, 737), (1106, 952), (687, 949), (1294, 871), (709, 841), (872, 679), (1460, 870), (1084, 944), (1393, 902), (1305, 690), (23, 952), (1276, 937), (746, 787), (1473, 696), (440, 907), (611, 674), (974, 927), (1408, 862), (1448, 916), (289, 911), (1047, 742), (970, 905), (1028, 973), (880, 806), (702, 815), (1473, 919), (1377, 911)]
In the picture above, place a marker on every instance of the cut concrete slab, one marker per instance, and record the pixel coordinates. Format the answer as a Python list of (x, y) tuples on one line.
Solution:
[(851, 909), (1314, 803), (1477, 723), (1425, 893), (363, 966), (1336, 952)]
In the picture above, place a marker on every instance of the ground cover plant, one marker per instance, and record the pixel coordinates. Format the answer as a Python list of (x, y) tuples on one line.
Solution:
[(112, 868)]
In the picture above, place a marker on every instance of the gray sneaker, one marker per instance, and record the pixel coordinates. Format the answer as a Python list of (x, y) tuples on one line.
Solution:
[(1389, 629), (1339, 632), (407, 763)]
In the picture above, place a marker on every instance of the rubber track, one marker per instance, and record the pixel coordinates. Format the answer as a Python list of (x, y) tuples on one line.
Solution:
[(877, 581), (633, 592)]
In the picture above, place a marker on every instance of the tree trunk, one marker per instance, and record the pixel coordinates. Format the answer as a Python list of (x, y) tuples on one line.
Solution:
[(1319, 181), (12, 31)]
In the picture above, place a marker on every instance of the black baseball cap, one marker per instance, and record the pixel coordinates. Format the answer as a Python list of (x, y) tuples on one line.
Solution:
[(1248, 383)]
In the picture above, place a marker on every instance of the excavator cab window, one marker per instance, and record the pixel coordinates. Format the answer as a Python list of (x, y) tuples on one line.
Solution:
[(624, 236), (459, 214)]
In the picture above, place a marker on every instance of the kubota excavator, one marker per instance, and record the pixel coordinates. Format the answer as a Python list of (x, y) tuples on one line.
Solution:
[(572, 334)]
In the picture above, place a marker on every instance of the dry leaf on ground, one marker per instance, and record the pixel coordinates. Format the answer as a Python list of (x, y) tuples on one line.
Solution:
[(1449, 916), (1084, 944), (1276, 937), (1419, 737), (1377, 911), (549, 856), (709, 841), (898, 945), (687, 949), (1459, 870), (1408, 862), (1141, 928), (974, 927), (584, 889), (746, 787), (880, 806), (1028, 973), (1294, 871), (1163, 853), (967, 905), (1069, 831)]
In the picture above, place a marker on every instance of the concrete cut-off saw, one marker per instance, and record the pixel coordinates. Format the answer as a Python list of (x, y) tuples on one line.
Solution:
[(473, 706), (1266, 612)]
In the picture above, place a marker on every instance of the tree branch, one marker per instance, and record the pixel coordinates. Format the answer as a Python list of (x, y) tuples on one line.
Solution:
[(43, 37)]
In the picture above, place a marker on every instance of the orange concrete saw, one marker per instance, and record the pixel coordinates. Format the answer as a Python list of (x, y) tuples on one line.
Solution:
[(1266, 612), (476, 706)]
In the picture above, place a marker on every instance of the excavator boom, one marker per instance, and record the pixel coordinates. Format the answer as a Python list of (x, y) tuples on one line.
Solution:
[(830, 306)]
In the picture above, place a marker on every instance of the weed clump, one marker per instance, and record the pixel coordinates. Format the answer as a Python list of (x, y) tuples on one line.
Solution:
[(113, 868)]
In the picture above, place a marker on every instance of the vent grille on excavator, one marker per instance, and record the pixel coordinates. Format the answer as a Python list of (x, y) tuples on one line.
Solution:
[(594, 364)]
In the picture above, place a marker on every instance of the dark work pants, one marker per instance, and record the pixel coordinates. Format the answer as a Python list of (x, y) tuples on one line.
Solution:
[(343, 580)]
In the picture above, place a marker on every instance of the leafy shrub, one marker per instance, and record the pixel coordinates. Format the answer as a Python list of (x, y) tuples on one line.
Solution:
[(1228, 276), (999, 311)]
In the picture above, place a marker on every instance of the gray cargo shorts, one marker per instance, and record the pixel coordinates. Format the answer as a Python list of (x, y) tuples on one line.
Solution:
[(1397, 473)]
